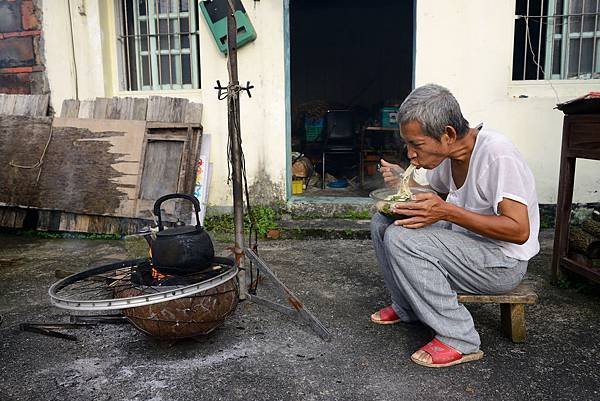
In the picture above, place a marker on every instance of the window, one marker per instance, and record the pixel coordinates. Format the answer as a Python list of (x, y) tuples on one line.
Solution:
[(159, 44), (557, 39)]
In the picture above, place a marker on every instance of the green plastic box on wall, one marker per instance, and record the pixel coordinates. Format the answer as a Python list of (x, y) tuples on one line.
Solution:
[(215, 15)]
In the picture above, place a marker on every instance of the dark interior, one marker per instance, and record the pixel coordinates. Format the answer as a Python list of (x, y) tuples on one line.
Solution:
[(353, 56)]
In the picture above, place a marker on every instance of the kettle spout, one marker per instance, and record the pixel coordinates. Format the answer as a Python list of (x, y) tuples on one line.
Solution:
[(148, 234)]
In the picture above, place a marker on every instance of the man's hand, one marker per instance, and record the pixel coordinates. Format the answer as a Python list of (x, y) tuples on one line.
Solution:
[(511, 224), (392, 173), (424, 209)]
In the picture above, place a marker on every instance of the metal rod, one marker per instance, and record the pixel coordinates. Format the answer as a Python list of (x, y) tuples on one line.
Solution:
[(299, 312), (169, 44), (564, 57), (580, 40), (539, 49), (233, 108), (158, 55), (179, 45), (127, 51), (150, 56), (526, 42), (595, 43)]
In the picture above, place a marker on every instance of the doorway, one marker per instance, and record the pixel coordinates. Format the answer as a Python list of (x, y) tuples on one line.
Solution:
[(351, 65)]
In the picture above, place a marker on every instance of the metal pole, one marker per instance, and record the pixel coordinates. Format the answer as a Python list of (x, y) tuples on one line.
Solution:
[(233, 109)]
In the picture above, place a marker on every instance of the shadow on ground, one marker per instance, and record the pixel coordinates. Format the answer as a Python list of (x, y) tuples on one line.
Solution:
[(261, 355)]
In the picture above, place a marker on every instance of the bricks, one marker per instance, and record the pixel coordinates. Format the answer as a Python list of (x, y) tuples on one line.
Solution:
[(17, 84), (10, 17), (21, 66), (16, 52), (19, 34), (30, 20)]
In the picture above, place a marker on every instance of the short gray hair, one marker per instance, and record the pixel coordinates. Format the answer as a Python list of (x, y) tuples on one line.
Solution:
[(433, 107)]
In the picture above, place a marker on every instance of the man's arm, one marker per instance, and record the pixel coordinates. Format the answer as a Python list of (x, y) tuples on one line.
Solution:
[(511, 225)]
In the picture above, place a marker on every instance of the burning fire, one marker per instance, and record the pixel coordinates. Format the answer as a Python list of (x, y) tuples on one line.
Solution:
[(156, 275)]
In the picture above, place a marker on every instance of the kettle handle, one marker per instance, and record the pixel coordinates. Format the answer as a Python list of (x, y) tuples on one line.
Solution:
[(164, 198)]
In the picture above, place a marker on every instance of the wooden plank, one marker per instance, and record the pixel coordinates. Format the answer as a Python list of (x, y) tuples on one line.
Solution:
[(40, 106), (120, 108), (155, 124), (100, 108), (166, 109), (20, 218), (7, 106), (523, 294), (19, 156), (193, 113), (139, 109), (161, 169), (107, 186), (22, 105), (70, 108), (153, 112), (86, 109), (179, 110)]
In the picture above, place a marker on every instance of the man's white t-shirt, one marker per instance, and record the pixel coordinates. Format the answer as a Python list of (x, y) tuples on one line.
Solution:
[(496, 170)]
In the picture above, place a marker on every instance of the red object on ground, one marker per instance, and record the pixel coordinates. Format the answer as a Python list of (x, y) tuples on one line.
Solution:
[(386, 315), (443, 355)]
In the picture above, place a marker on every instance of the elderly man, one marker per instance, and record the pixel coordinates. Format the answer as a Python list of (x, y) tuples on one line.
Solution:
[(474, 236)]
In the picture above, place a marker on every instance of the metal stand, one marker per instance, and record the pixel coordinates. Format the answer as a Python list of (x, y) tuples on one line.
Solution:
[(299, 313)]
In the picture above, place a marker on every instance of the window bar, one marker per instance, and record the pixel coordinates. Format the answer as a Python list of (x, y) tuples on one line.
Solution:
[(169, 5), (127, 50), (580, 39), (159, 51), (564, 65), (193, 43), (539, 57), (178, 44), (526, 41), (595, 41), (138, 45), (151, 46), (550, 30)]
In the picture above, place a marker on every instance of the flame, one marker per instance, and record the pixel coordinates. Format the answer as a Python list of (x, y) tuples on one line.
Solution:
[(156, 275)]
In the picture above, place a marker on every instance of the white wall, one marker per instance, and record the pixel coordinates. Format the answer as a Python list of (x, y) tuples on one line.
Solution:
[(466, 45), (260, 62)]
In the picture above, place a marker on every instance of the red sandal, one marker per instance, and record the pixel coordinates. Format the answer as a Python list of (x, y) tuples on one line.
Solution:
[(386, 315), (443, 355)]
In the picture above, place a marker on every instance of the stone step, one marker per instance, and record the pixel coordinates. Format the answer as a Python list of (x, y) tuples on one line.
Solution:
[(325, 229)]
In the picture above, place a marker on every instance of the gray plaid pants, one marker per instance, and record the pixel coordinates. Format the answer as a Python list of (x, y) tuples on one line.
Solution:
[(424, 268)]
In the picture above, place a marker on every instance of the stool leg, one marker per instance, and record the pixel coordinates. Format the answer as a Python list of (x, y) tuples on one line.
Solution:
[(513, 321)]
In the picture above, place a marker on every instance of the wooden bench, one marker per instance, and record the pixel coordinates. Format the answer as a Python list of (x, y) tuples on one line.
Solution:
[(512, 308)]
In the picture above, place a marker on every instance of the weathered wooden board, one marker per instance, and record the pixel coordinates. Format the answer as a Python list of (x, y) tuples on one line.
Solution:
[(523, 294), (86, 109), (166, 109), (100, 107), (12, 217), (97, 166), (24, 105), (22, 142), (161, 168), (70, 108), (193, 113)]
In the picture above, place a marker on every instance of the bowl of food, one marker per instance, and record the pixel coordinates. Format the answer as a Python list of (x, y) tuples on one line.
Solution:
[(385, 198)]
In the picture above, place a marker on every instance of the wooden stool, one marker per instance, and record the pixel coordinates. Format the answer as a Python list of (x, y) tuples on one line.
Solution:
[(512, 308)]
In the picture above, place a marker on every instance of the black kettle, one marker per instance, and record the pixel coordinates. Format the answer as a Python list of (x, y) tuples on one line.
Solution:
[(181, 249)]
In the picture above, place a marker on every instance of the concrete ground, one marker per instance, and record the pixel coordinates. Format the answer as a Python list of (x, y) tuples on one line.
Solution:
[(261, 355)]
